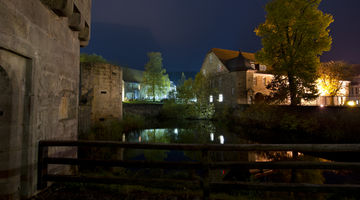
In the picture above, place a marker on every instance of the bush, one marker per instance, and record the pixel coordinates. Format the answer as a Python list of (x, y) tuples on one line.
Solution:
[(173, 110)]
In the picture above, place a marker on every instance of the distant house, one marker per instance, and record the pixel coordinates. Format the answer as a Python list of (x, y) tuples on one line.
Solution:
[(355, 86), (237, 78), (132, 88), (132, 84)]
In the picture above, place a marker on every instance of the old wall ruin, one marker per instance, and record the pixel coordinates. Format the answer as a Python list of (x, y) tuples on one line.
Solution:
[(101, 94), (39, 78)]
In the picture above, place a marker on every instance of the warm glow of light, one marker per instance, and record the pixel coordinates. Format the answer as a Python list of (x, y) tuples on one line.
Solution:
[(123, 137), (321, 106), (351, 103)]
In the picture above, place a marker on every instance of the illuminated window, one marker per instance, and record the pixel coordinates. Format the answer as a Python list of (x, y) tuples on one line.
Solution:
[(211, 99), (221, 98)]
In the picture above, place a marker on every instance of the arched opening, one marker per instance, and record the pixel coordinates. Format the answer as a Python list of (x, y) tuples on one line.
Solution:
[(259, 98)]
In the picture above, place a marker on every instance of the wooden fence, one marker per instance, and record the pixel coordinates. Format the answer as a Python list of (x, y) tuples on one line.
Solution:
[(204, 165)]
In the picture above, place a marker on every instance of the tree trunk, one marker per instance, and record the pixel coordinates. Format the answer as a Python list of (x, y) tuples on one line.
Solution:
[(294, 100)]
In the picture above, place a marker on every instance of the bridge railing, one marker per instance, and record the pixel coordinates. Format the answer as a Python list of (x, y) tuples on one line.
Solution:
[(204, 165)]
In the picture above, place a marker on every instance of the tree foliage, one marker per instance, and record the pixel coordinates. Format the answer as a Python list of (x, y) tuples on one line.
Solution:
[(294, 35), (92, 58), (185, 92), (332, 76), (155, 80)]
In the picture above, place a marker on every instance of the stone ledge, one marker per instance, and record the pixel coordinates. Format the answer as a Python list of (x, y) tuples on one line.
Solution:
[(76, 21)]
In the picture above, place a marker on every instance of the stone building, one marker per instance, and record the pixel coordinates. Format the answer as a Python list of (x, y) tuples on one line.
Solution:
[(234, 76), (132, 84), (237, 78), (39, 79), (101, 94)]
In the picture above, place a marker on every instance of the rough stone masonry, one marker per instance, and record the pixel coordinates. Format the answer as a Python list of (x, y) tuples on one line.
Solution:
[(39, 84)]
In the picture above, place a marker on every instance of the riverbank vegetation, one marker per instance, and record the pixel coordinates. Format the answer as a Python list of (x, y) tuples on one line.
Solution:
[(300, 124)]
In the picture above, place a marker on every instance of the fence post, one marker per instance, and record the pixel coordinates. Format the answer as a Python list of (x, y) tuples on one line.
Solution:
[(206, 174), (42, 166)]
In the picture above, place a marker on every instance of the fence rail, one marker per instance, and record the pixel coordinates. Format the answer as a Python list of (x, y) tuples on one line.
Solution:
[(205, 165)]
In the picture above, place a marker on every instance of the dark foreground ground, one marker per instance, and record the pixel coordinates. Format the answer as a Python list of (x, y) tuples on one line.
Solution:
[(101, 192)]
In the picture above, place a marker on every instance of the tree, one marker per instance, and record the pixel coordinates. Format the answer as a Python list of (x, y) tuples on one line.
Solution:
[(155, 80), (294, 35), (92, 58), (182, 79), (185, 92), (332, 76)]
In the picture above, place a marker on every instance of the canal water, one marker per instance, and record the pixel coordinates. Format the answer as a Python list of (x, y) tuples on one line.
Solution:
[(206, 132)]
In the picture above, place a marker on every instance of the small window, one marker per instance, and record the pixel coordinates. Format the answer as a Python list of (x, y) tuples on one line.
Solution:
[(221, 98), (211, 99), (103, 92), (113, 73), (255, 81), (264, 81), (233, 91), (219, 68), (1, 113), (102, 119)]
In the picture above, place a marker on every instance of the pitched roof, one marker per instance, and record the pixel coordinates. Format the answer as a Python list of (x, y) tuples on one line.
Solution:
[(132, 75), (225, 55)]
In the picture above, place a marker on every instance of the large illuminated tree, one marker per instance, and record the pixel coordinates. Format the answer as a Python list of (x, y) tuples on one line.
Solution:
[(294, 35), (155, 80)]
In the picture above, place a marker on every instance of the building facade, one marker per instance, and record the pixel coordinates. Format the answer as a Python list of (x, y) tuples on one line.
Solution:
[(237, 78), (132, 84), (101, 94), (39, 80)]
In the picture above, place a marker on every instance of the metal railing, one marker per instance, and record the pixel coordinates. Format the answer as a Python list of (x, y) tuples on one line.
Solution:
[(205, 165)]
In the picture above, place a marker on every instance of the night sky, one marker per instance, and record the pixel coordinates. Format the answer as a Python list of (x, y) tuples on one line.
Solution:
[(123, 31)]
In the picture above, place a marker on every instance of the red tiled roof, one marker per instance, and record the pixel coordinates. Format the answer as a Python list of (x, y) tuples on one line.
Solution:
[(225, 55)]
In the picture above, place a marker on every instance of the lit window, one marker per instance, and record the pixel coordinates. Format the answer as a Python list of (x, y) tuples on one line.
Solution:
[(211, 99), (212, 136), (222, 139), (221, 98)]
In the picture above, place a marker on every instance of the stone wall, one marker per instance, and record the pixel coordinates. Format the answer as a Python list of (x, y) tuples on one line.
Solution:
[(145, 110), (39, 71), (101, 94)]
